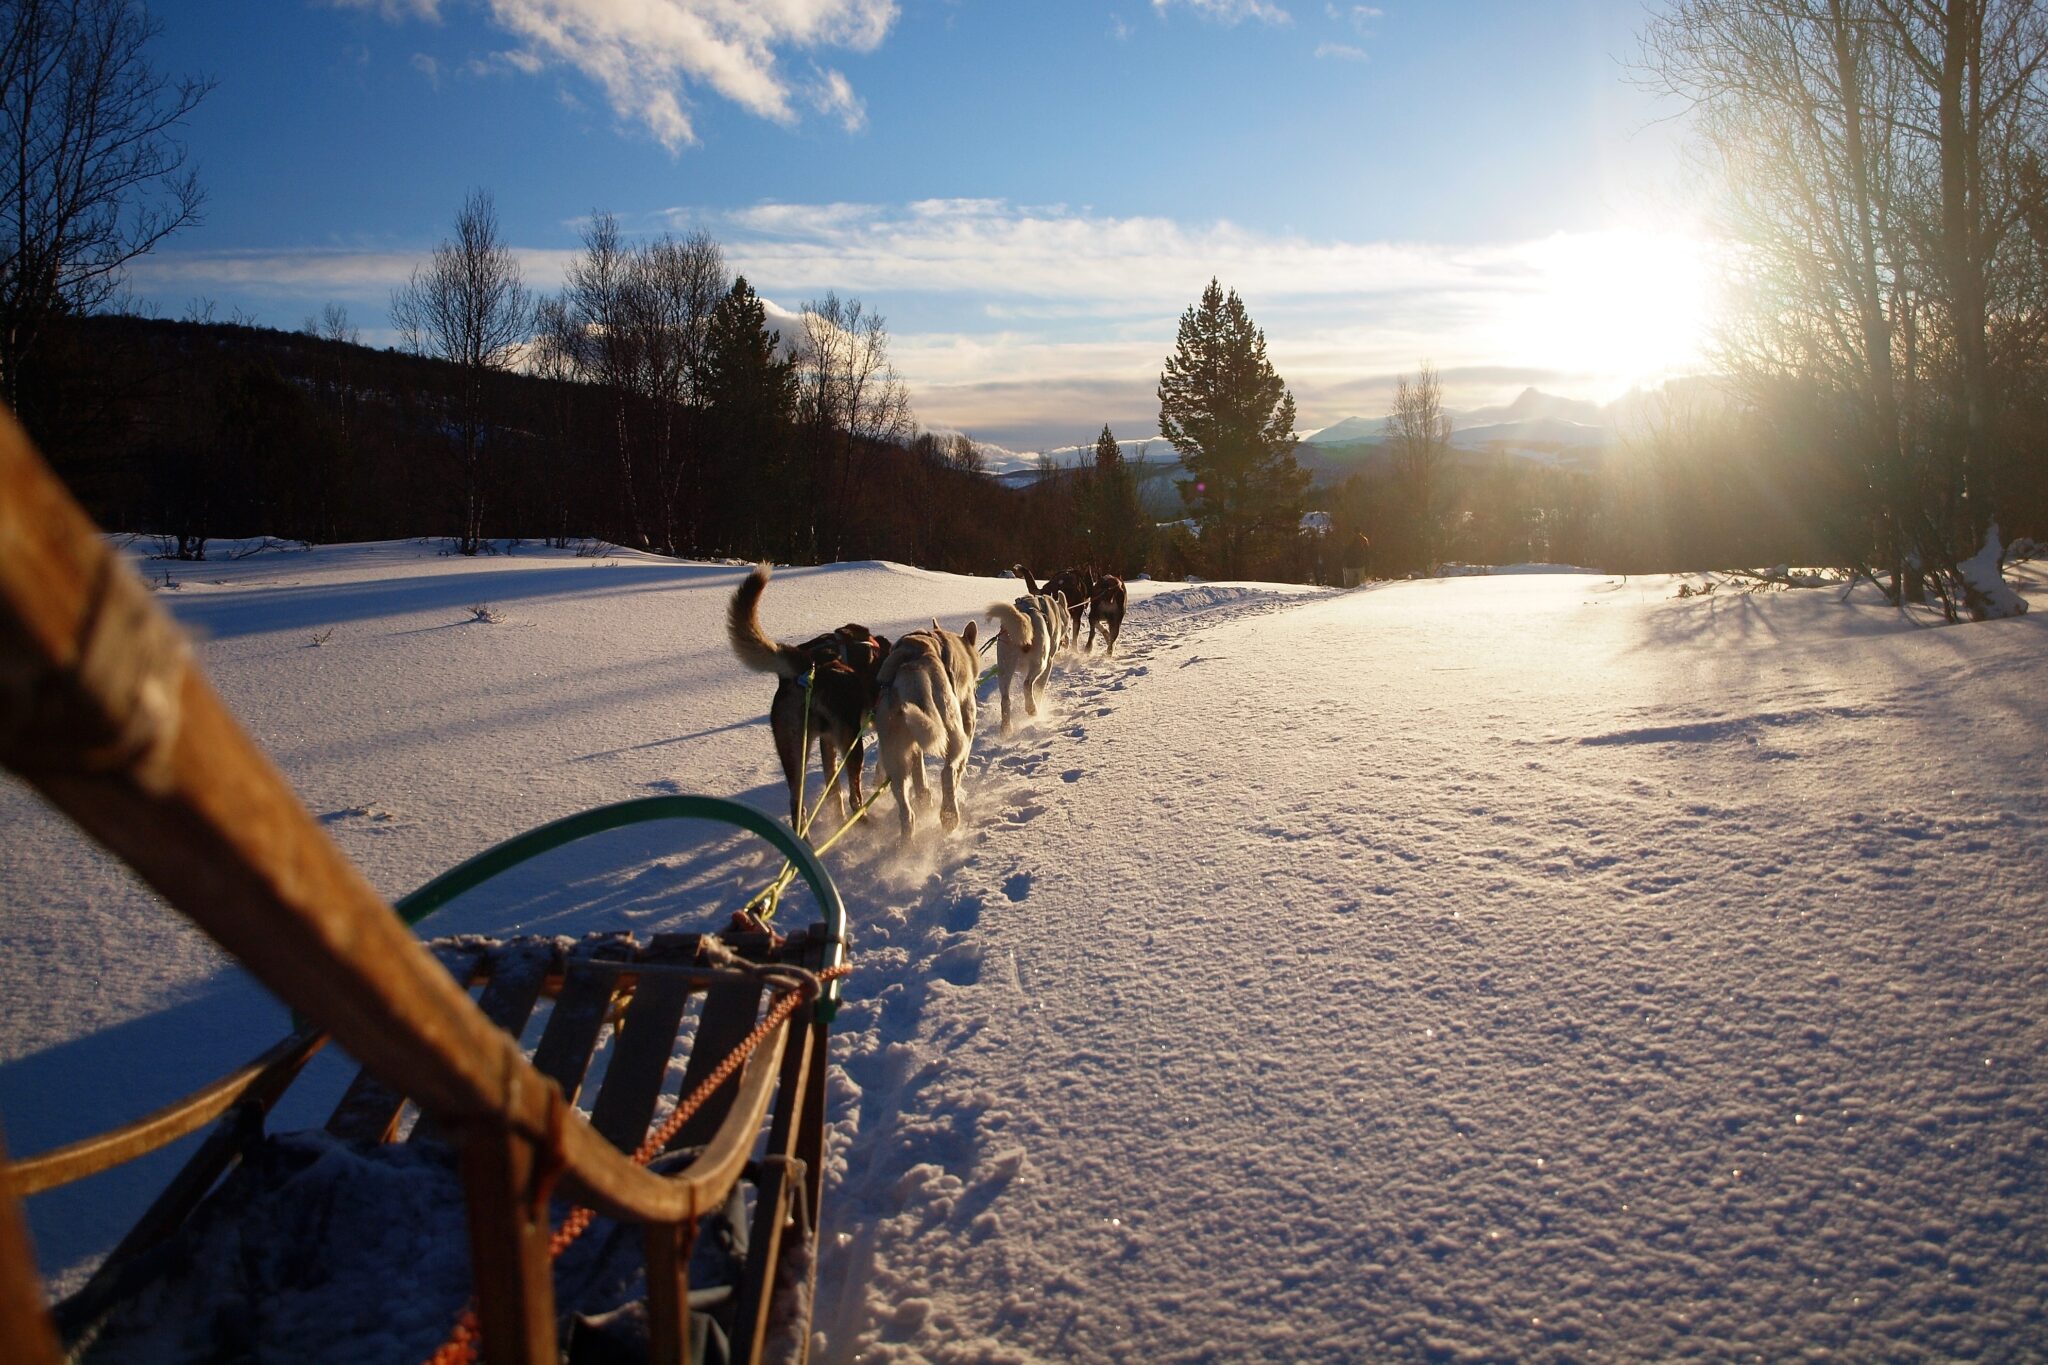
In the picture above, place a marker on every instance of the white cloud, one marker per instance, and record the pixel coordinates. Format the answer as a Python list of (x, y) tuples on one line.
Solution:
[(832, 93), (1017, 323), (1358, 16), (1342, 51), (427, 67), (645, 55), (1230, 11), (395, 10), (1008, 254)]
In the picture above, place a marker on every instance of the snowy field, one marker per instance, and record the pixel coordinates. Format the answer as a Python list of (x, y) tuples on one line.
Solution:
[(1511, 967)]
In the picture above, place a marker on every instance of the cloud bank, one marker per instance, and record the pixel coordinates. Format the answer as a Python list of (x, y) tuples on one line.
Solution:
[(1025, 324), (645, 56)]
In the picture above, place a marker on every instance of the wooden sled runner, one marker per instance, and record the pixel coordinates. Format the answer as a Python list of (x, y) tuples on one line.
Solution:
[(101, 710)]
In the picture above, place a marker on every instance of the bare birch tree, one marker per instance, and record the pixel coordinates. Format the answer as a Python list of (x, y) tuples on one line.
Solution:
[(636, 321), (673, 285), (468, 306), (92, 174), (1419, 441), (848, 399)]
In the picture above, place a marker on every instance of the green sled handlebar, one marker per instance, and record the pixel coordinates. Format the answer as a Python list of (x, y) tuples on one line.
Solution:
[(499, 858)]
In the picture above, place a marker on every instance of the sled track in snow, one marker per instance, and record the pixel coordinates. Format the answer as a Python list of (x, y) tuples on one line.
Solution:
[(917, 911)]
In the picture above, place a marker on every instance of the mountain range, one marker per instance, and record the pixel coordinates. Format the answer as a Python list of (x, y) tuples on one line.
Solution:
[(1537, 426), (1540, 428)]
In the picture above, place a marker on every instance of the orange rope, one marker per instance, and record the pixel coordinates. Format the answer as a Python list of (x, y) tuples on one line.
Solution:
[(463, 1339)]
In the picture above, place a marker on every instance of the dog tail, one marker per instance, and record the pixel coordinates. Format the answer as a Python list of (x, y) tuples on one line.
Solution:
[(1016, 622), (749, 641), (1030, 584)]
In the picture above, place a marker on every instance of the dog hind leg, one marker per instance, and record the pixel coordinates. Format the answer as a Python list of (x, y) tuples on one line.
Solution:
[(786, 723), (828, 766), (949, 776), (897, 754), (856, 755)]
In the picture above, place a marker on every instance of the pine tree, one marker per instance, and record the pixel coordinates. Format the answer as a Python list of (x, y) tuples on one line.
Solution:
[(1119, 523), (1232, 420), (750, 392)]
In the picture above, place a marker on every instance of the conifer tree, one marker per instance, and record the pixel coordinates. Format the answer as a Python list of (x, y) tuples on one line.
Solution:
[(1118, 522), (749, 389), (1231, 419)]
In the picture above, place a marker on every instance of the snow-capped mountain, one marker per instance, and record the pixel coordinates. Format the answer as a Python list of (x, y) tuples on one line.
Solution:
[(1534, 405), (1348, 431), (1536, 426)]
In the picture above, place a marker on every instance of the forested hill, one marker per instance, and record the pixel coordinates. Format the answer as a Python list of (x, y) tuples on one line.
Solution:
[(203, 430)]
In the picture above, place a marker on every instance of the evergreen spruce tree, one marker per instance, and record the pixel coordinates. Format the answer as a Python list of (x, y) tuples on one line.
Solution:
[(750, 392), (1119, 523), (1232, 420)]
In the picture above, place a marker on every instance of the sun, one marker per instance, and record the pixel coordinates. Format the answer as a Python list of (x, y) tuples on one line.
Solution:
[(1623, 306)]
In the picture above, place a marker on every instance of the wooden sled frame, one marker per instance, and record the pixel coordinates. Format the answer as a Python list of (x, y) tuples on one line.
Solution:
[(102, 711)]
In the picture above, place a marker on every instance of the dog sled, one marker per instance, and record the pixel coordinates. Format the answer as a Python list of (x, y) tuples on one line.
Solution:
[(711, 1217)]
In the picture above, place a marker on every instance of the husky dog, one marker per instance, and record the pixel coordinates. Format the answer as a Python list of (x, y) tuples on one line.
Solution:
[(1059, 621), (1028, 634), (924, 704), (1076, 586), (841, 667), (1106, 609)]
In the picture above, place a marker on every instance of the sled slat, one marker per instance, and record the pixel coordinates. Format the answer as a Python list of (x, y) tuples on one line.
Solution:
[(729, 1014), (645, 1040), (570, 1038), (369, 1109), (517, 972)]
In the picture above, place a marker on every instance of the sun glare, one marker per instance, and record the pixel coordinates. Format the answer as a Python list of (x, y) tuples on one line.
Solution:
[(1628, 306)]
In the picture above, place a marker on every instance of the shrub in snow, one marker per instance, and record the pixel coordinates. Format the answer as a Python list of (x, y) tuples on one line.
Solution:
[(1985, 591)]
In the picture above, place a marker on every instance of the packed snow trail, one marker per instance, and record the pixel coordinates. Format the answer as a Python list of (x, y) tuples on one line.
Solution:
[(1532, 967), (1529, 968)]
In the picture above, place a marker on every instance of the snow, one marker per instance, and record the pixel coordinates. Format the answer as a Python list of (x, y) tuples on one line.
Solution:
[(1528, 965), (1982, 572)]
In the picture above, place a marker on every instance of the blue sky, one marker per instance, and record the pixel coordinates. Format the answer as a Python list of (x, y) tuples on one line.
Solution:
[(1029, 192)]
